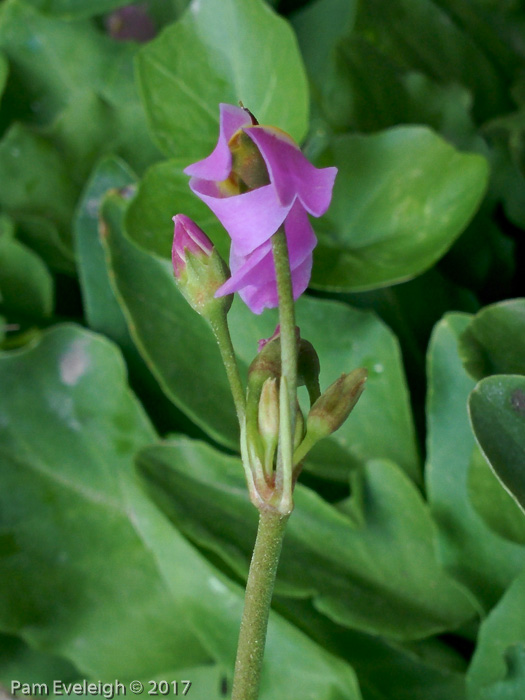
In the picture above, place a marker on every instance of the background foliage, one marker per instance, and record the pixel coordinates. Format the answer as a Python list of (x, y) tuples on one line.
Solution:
[(125, 529)]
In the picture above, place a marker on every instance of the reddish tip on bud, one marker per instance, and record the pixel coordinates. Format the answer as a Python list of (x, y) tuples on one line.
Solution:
[(188, 238)]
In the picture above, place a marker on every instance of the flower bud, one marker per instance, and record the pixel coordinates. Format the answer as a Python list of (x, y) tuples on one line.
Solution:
[(198, 268), (268, 418), (333, 407)]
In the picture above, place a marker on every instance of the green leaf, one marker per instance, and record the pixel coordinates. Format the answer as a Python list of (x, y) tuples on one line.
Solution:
[(175, 342), (162, 193), (74, 563), (421, 35), (380, 577), (26, 286), (21, 663), (498, 665), (35, 181), (475, 555), (512, 686), (494, 341), (102, 310), (79, 84), (43, 236), (319, 25), (221, 51), (401, 198), (497, 412), (387, 670), (346, 338), (76, 9), (75, 521), (493, 502), (294, 666)]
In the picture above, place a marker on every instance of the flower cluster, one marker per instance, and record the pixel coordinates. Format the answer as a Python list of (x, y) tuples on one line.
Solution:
[(255, 181)]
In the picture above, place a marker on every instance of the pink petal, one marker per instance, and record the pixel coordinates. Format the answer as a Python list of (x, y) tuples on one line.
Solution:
[(253, 276), (291, 173), (300, 236), (250, 218), (218, 164)]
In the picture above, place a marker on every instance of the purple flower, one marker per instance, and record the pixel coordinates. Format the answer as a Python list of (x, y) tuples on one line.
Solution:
[(188, 237), (255, 180)]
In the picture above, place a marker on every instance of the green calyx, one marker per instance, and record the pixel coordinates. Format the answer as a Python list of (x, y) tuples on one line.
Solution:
[(200, 279)]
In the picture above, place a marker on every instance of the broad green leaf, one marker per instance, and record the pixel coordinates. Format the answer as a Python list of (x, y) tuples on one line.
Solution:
[(294, 666), (221, 51), (43, 236), (35, 181), (401, 198), (497, 412), (346, 338), (175, 342), (162, 193), (381, 576), (18, 662), (494, 341), (75, 520), (493, 502), (421, 35), (481, 560), (319, 25), (74, 564), (77, 82), (512, 686), (411, 310), (498, 665), (26, 286), (76, 8), (102, 310), (387, 670)]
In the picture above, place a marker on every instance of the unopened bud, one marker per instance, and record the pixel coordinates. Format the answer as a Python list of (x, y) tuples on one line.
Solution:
[(198, 268), (333, 407), (268, 418)]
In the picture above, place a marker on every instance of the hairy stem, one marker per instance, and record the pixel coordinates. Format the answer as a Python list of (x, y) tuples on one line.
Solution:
[(221, 331), (259, 590)]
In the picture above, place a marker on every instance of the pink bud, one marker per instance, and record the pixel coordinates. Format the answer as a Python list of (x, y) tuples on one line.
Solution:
[(188, 238)]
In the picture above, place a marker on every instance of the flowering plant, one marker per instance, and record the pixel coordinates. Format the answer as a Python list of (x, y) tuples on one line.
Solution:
[(126, 528), (260, 186)]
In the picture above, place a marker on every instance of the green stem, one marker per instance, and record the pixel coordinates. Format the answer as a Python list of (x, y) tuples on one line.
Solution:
[(259, 590), (221, 331), (286, 318), (283, 477)]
